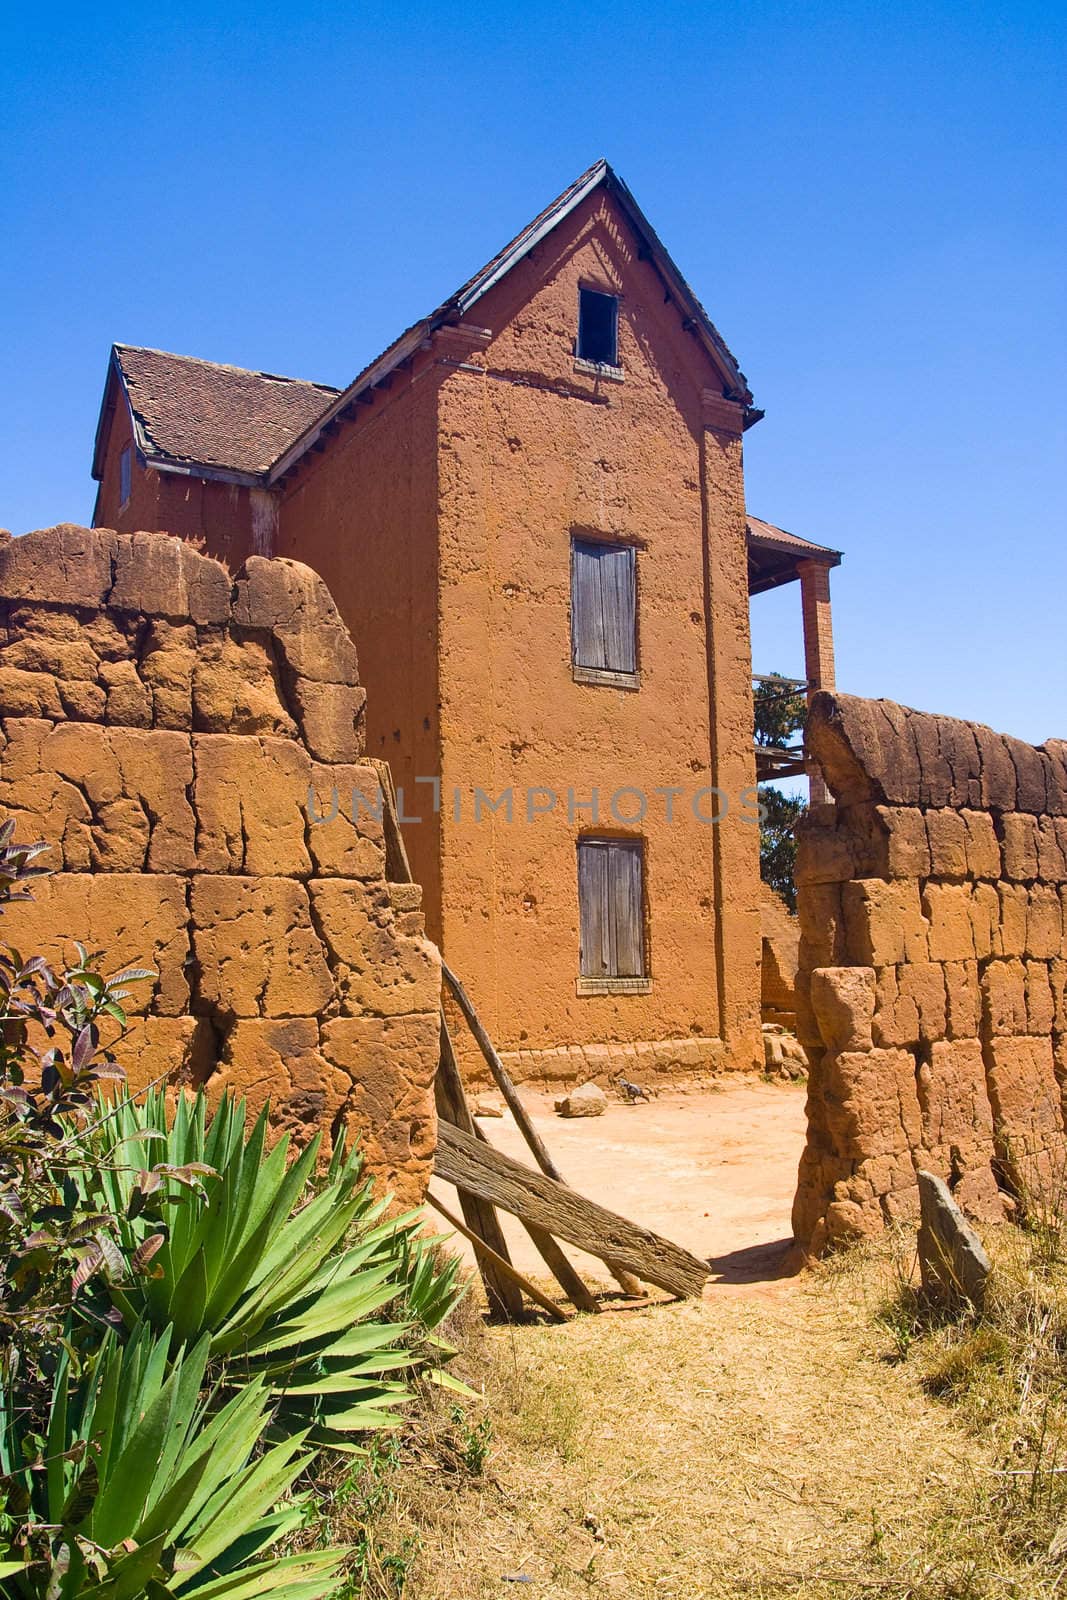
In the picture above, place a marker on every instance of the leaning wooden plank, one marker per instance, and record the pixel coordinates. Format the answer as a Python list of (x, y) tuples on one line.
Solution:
[(502, 1293), (504, 1299), (453, 1107), (501, 1076), (461, 1160), (503, 1267), (566, 1275), (503, 1080)]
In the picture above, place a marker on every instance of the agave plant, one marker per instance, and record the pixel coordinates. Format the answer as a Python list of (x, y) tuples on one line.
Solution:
[(143, 1483), (278, 1273)]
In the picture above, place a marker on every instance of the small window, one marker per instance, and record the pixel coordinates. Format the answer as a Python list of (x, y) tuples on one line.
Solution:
[(598, 327), (603, 607), (611, 903), (125, 475)]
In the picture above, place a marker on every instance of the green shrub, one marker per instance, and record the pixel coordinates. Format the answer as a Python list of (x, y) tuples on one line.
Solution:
[(280, 1273), (143, 1483), (184, 1316)]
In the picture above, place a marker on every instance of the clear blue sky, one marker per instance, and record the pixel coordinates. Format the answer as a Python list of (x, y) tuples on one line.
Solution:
[(868, 198)]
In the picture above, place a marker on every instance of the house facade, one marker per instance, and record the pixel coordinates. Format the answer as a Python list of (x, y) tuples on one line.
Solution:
[(531, 514)]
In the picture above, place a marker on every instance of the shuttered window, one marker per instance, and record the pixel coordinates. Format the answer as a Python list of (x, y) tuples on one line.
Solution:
[(598, 327), (611, 902), (603, 607), (125, 476)]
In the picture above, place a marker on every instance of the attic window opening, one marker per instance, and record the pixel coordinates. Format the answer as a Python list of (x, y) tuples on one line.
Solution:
[(598, 328), (125, 477)]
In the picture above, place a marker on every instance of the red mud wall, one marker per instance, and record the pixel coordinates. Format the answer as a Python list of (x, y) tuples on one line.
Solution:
[(162, 723), (933, 965)]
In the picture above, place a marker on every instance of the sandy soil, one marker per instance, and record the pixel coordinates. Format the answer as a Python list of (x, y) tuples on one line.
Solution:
[(715, 1171)]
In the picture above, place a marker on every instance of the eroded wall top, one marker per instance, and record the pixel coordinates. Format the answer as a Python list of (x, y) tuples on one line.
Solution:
[(163, 725), (932, 992)]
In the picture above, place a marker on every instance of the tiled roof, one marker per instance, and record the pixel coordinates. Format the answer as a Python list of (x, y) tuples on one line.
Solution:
[(764, 535), (216, 416)]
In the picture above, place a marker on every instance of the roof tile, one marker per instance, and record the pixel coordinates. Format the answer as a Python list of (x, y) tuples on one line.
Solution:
[(211, 415)]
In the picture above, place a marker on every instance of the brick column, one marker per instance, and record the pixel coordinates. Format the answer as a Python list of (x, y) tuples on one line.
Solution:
[(818, 649)]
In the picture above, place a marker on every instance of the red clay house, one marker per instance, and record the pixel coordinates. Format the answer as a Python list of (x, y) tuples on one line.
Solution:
[(530, 510)]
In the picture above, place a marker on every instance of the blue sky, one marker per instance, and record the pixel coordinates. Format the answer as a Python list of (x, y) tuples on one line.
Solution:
[(869, 199)]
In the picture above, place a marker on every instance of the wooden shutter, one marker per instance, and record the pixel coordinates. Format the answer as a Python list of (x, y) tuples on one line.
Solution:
[(624, 872), (594, 903), (603, 606), (611, 905)]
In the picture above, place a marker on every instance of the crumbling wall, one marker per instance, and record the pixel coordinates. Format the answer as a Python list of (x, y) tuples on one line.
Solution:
[(933, 965), (779, 961), (162, 726)]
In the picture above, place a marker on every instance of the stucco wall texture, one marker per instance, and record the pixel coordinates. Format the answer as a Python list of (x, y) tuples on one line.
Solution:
[(442, 521), (162, 723), (932, 992), (216, 516)]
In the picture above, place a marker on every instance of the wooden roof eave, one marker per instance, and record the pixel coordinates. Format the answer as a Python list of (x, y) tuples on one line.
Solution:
[(770, 569)]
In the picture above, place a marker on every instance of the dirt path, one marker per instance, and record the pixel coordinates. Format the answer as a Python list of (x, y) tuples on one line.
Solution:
[(758, 1443), (714, 1171), (742, 1446)]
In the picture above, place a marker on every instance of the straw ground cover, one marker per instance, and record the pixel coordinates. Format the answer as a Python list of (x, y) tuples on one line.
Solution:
[(766, 1445)]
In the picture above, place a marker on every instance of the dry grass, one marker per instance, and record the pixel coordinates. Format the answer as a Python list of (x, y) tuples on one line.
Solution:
[(824, 1440)]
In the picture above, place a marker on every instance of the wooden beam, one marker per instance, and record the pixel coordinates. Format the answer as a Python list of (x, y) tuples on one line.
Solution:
[(453, 1107), (495, 1177), (504, 1298), (503, 1080), (489, 1258), (397, 865), (501, 1076)]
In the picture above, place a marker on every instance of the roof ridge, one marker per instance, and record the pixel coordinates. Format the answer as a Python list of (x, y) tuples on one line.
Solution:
[(469, 293), (225, 366)]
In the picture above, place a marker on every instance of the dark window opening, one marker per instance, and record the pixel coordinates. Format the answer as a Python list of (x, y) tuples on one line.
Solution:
[(603, 606), (598, 327), (611, 905)]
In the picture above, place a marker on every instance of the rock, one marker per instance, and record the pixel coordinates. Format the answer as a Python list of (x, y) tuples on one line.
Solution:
[(783, 1054), (953, 1263), (588, 1100), (489, 1105)]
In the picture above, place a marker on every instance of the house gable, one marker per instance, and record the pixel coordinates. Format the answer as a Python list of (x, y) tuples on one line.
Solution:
[(599, 183), (531, 316)]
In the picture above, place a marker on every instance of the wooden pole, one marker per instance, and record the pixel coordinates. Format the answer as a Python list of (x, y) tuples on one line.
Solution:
[(497, 1263), (452, 1105), (501, 1292), (502, 1078)]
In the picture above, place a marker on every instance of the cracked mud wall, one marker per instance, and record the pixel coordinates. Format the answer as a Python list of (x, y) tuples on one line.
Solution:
[(162, 724), (932, 991)]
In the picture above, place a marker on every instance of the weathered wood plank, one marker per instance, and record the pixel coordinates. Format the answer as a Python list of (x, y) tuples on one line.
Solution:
[(565, 1274), (505, 1299), (461, 1160), (595, 952), (488, 1258), (626, 864)]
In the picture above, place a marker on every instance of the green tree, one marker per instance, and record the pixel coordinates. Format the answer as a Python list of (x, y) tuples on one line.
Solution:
[(777, 841), (780, 710)]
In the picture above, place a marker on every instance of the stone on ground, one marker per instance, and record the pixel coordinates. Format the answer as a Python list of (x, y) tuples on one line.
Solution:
[(588, 1100), (952, 1260)]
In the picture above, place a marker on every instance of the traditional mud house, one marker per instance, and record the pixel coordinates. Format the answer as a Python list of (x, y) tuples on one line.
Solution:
[(530, 510)]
